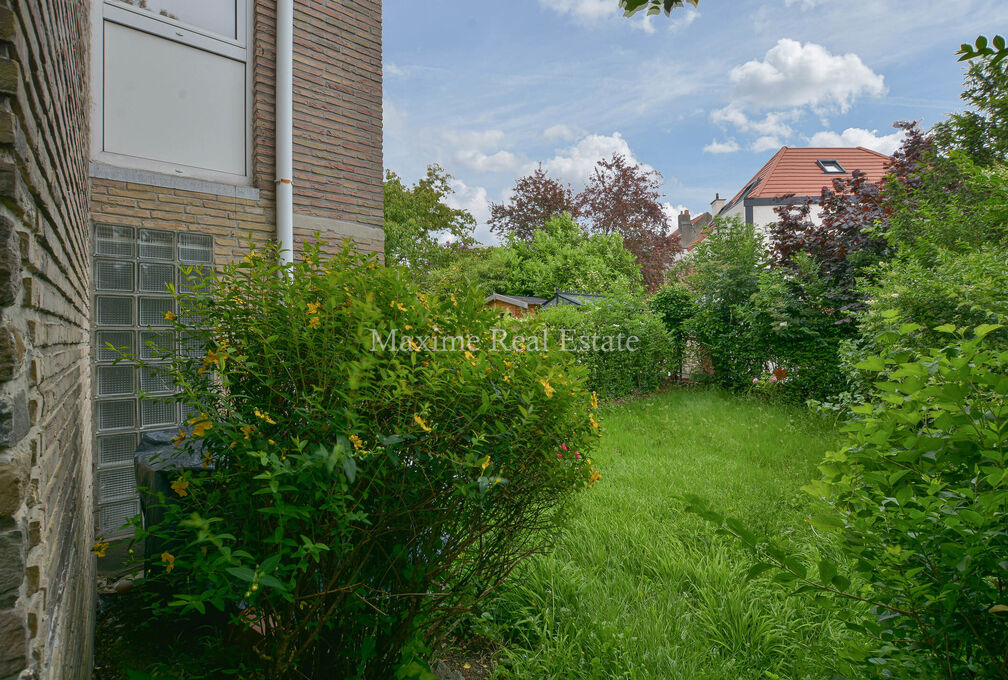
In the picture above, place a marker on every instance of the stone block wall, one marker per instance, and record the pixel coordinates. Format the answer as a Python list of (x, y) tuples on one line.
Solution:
[(46, 567)]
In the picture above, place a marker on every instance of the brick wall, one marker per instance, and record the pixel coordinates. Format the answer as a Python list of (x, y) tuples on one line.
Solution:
[(337, 140), (46, 569), (337, 114)]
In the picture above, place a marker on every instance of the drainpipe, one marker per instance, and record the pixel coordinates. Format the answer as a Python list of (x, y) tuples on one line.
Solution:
[(285, 129)]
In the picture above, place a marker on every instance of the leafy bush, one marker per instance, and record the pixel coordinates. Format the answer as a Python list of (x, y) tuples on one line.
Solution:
[(920, 494), (360, 495), (674, 305), (560, 255), (615, 368), (803, 329), (724, 272), (962, 289)]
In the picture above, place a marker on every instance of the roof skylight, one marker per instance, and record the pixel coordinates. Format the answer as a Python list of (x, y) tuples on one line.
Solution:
[(831, 166)]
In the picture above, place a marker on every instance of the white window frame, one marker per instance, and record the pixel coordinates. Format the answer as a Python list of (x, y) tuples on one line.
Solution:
[(239, 49)]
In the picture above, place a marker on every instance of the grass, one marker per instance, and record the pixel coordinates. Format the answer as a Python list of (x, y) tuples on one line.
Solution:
[(637, 588)]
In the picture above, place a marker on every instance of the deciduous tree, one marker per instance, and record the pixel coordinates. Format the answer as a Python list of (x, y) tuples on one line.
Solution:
[(421, 230), (534, 200), (624, 198)]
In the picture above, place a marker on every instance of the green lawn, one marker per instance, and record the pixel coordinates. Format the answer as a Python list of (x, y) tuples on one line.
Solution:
[(637, 588)]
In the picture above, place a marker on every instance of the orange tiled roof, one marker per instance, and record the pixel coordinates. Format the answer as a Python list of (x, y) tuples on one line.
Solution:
[(795, 171)]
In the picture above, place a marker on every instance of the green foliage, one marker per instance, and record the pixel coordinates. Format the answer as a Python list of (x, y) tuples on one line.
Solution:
[(803, 330), (421, 230), (952, 204), (631, 7), (962, 289), (674, 305), (360, 495), (558, 256), (724, 274), (920, 494), (981, 131), (624, 347)]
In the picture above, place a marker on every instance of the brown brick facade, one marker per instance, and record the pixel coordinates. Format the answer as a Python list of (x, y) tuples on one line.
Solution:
[(46, 568), (337, 140)]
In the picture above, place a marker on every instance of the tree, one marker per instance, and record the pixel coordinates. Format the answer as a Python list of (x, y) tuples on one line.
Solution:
[(535, 199), (421, 230), (981, 131), (631, 7), (560, 255), (623, 198)]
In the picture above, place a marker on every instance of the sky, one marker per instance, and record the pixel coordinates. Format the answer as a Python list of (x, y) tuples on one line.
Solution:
[(490, 89)]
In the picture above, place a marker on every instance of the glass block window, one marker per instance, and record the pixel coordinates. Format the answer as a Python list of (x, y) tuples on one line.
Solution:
[(134, 273)]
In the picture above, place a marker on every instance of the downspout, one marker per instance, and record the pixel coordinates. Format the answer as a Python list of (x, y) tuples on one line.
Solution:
[(285, 129)]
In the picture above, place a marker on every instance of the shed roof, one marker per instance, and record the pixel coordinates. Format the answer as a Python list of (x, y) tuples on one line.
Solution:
[(522, 301)]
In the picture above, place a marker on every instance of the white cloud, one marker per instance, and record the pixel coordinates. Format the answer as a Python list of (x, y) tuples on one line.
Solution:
[(476, 200), (805, 4), (793, 74), (389, 69), (576, 163), (728, 146), (559, 133), (583, 10), (683, 20), (773, 123), (869, 139), (480, 150), (672, 212), (766, 143)]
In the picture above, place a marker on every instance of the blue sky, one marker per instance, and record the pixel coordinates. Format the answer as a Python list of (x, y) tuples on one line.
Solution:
[(488, 89)]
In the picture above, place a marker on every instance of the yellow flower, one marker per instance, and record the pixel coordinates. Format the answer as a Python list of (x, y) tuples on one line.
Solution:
[(247, 430), (264, 416), (469, 355), (313, 307), (408, 327), (454, 301), (420, 421), (595, 476), (168, 560), (591, 419), (180, 437), (484, 463), (207, 459), (100, 547), (200, 425), (356, 441), (180, 487), (507, 378), (594, 400), (314, 322), (170, 316), (547, 388)]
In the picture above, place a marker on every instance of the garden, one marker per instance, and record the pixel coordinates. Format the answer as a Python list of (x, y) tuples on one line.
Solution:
[(799, 473)]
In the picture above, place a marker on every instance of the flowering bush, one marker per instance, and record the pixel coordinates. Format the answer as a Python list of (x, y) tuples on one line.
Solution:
[(360, 494)]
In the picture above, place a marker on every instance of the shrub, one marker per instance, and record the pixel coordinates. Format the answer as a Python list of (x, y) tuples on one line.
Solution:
[(359, 496), (724, 272), (803, 327), (920, 495), (612, 370), (674, 305)]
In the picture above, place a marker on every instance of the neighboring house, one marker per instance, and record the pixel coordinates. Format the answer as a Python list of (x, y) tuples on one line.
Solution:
[(803, 173), (136, 137), (577, 299), (692, 230), (515, 305)]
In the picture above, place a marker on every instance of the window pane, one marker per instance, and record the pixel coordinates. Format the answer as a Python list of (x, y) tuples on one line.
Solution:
[(172, 103), (217, 16)]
